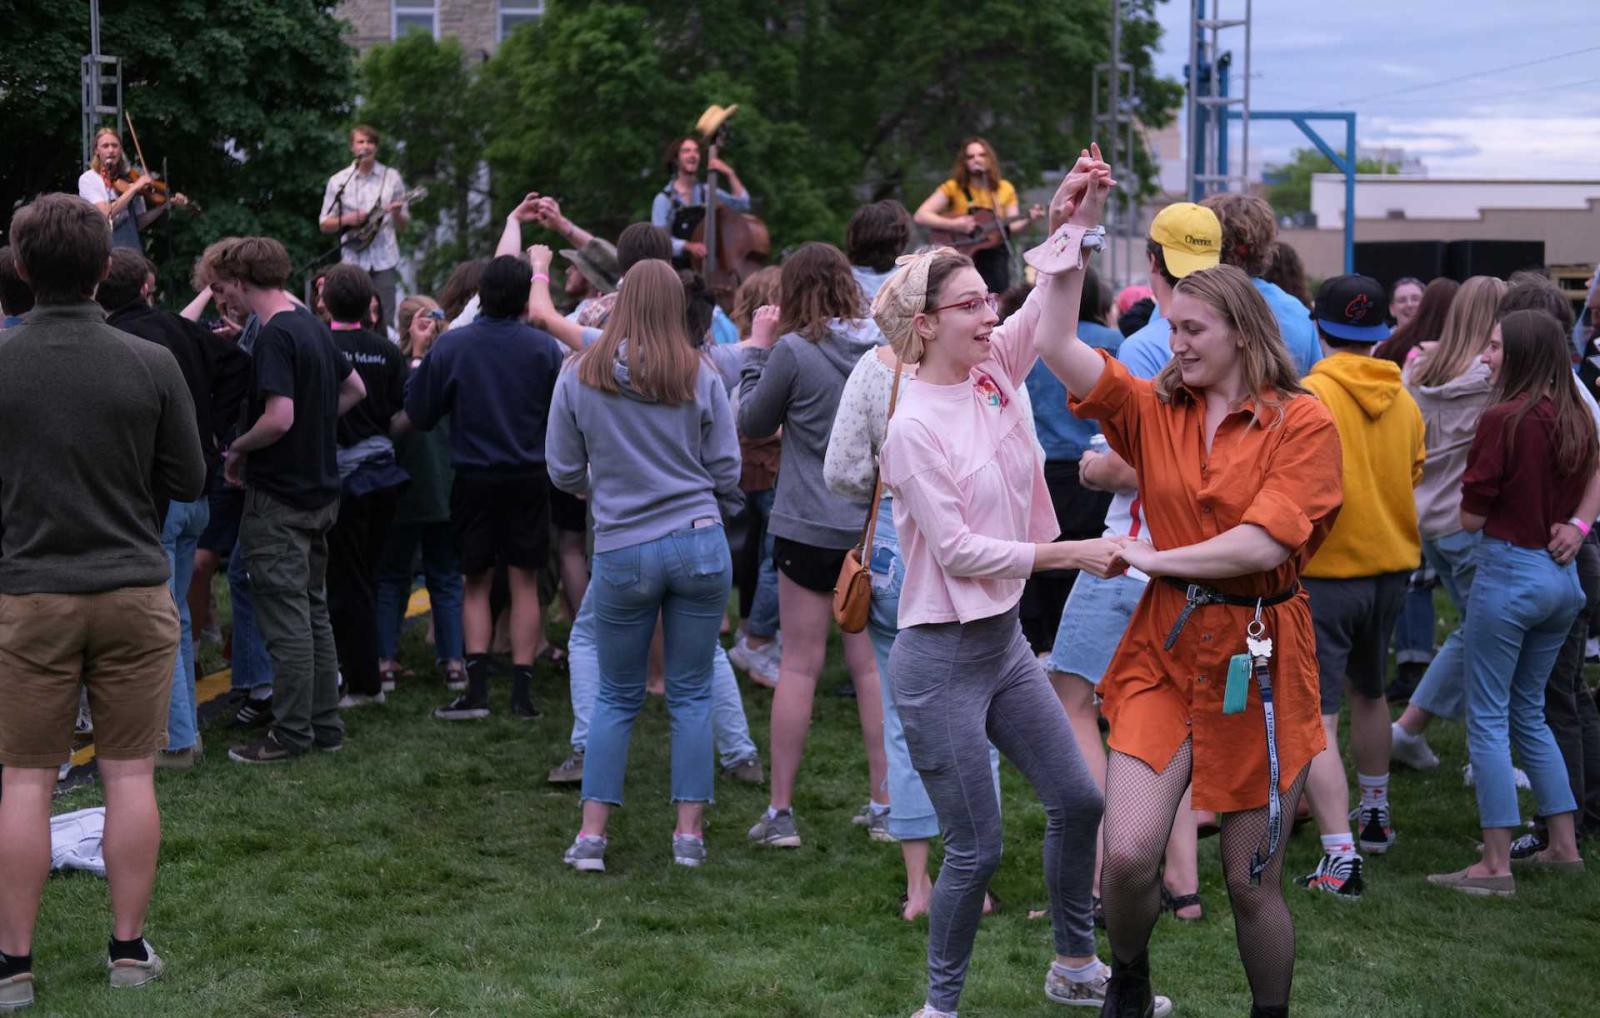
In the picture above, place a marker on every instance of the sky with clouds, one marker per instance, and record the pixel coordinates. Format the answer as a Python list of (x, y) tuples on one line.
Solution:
[(1435, 77)]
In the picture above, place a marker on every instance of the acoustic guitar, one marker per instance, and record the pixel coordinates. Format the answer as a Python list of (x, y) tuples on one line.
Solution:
[(986, 232), (361, 238)]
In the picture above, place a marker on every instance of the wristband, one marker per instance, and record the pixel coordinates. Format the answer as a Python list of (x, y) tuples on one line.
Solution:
[(1583, 527), (541, 277)]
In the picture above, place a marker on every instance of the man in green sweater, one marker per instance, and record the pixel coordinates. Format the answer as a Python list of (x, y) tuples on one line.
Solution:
[(97, 434)]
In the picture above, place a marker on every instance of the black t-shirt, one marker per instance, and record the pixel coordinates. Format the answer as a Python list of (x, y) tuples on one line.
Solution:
[(383, 370), (294, 355)]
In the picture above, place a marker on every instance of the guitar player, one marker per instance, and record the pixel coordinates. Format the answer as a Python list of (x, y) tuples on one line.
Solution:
[(967, 210), (364, 189)]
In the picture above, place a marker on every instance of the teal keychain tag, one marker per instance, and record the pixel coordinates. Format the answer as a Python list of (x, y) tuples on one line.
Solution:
[(1238, 691)]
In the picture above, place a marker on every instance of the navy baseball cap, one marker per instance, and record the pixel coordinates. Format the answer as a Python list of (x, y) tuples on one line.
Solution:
[(1352, 308)]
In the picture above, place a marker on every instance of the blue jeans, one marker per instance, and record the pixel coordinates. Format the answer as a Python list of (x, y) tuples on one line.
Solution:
[(763, 620), (186, 521), (442, 574), (1442, 688), (252, 665), (1413, 633), (1522, 606), (685, 577), (730, 730), (911, 813)]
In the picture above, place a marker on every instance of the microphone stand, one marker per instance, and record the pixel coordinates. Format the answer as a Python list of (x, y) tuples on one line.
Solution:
[(338, 245)]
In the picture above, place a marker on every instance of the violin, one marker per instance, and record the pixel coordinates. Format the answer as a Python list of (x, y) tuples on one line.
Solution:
[(156, 193)]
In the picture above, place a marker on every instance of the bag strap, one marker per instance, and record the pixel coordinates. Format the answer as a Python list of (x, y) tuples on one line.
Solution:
[(877, 490)]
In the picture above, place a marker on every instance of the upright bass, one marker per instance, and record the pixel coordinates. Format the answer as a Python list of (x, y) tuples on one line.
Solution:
[(737, 243)]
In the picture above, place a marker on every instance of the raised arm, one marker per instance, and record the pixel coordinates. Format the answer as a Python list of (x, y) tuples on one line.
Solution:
[(527, 211), (542, 310), (1078, 202), (550, 217)]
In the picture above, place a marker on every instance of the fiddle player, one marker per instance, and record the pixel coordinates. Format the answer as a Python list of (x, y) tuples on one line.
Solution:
[(109, 185), (354, 195), (975, 182), (680, 205)]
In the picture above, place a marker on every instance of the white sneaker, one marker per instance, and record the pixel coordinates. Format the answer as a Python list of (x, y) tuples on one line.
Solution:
[(759, 663), (1062, 990), (1411, 750), (350, 700)]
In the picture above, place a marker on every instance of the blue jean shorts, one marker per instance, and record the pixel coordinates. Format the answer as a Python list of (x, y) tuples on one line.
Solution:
[(1092, 623)]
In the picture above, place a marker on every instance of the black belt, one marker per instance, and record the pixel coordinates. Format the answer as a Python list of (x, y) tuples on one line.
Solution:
[(1198, 595)]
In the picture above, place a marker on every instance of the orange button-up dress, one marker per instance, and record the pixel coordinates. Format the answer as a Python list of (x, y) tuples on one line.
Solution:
[(1284, 475)]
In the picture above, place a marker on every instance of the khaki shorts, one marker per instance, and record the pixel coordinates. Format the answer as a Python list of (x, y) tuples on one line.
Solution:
[(120, 644)]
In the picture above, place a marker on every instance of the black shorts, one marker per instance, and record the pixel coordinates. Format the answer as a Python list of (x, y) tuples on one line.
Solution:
[(568, 512), (227, 507), (501, 521), (1354, 620), (812, 567)]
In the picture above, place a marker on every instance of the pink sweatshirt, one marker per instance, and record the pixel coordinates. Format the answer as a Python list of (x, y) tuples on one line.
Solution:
[(970, 500)]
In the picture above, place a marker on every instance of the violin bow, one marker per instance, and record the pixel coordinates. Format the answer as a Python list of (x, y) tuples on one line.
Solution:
[(143, 168)]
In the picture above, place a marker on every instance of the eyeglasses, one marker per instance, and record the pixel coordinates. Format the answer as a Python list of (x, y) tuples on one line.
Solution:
[(991, 299)]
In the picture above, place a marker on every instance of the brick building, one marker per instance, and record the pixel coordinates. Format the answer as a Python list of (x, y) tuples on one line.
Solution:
[(480, 25)]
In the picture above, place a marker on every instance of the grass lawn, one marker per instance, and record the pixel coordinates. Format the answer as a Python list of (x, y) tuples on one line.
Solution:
[(418, 873)]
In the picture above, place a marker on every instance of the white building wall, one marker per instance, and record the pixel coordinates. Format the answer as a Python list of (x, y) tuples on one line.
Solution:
[(1393, 197)]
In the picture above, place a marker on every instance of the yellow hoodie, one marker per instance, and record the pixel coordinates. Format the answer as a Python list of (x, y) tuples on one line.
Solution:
[(1381, 431)]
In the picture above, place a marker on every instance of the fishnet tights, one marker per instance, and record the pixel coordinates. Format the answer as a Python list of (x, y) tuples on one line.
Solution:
[(1140, 807)]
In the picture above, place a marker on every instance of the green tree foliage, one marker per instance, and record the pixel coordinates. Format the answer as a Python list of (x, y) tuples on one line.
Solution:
[(243, 101), (840, 100), (1289, 185)]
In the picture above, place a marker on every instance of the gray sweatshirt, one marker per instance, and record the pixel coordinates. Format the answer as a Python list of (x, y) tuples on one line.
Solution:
[(1450, 415), (97, 432), (796, 386), (648, 468)]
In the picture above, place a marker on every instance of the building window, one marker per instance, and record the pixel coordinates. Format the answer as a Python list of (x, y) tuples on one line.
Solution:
[(516, 13), (416, 16)]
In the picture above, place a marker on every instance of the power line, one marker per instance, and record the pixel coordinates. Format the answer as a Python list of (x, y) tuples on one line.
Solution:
[(1465, 77), (1506, 95)]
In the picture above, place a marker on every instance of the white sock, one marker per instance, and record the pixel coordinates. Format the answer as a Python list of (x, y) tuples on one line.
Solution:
[(1085, 973), (261, 693), (1374, 790), (1341, 846), (929, 1011), (878, 808)]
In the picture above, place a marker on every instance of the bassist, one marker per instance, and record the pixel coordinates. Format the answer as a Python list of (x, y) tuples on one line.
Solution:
[(976, 183), (365, 189)]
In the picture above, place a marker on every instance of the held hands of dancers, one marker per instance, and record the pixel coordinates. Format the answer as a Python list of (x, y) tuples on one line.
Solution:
[(1100, 556), (1081, 197)]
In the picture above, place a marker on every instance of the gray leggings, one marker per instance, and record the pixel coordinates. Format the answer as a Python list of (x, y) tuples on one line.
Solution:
[(960, 687)]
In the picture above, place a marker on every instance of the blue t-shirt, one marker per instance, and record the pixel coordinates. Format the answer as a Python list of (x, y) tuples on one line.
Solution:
[(1061, 433), (1294, 323), (1147, 351)]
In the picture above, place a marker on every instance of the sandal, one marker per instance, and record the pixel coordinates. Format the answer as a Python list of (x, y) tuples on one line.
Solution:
[(1174, 902)]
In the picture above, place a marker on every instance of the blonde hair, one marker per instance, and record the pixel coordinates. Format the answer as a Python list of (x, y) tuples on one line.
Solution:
[(913, 290), (94, 148), (1465, 332), (1268, 371), (762, 287), (663, 364), (408, 310)]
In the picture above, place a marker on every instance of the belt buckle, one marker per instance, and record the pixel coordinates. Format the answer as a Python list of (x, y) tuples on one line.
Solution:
[(1197, 594)]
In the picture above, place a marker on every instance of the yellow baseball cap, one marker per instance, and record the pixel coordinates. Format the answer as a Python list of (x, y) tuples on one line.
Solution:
[(1190, 236)]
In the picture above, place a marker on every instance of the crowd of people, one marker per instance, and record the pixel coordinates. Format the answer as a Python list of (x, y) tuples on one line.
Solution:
[(1142, 545)]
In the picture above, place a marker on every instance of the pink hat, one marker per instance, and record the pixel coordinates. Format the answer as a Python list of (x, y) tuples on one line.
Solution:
[(1130, 296)]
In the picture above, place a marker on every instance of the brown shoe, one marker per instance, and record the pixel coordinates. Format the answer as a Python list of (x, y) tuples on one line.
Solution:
[(570, 770), (747, 770), (177, 759), (1484, 887), (1541, 861)]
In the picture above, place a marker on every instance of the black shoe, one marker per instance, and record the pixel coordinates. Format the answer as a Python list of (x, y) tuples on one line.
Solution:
[(328, 745), (524, 710), (1529, 845), (1128, 993), (1269, 1011), (463, 708), (253, 714), (1405, 681), (522, 707), (266, 751)]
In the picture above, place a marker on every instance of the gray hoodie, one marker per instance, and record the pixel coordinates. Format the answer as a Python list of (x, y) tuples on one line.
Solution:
[(796, 386), (1450, 414), (649, 468)]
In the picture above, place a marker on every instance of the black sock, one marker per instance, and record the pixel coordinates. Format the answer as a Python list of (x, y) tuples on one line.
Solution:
[(121, 950), (15, 964), (478, 678), (521, 683)]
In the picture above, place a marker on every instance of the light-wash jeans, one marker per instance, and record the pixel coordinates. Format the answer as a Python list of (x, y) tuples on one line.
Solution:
[(186, 521), (1442, 689), (1521, 608), (911, 813), (730, 730), (684, 578), (251, 664)]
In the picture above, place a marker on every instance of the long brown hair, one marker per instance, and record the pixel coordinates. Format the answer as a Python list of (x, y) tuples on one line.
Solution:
[(1426, 326), (1536, 361), (649, 316), (963, 179), (817, 287), (1269, 372), (1466, 332)]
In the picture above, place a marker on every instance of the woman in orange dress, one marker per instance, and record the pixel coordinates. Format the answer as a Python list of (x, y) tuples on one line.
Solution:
[(1240, 478)]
